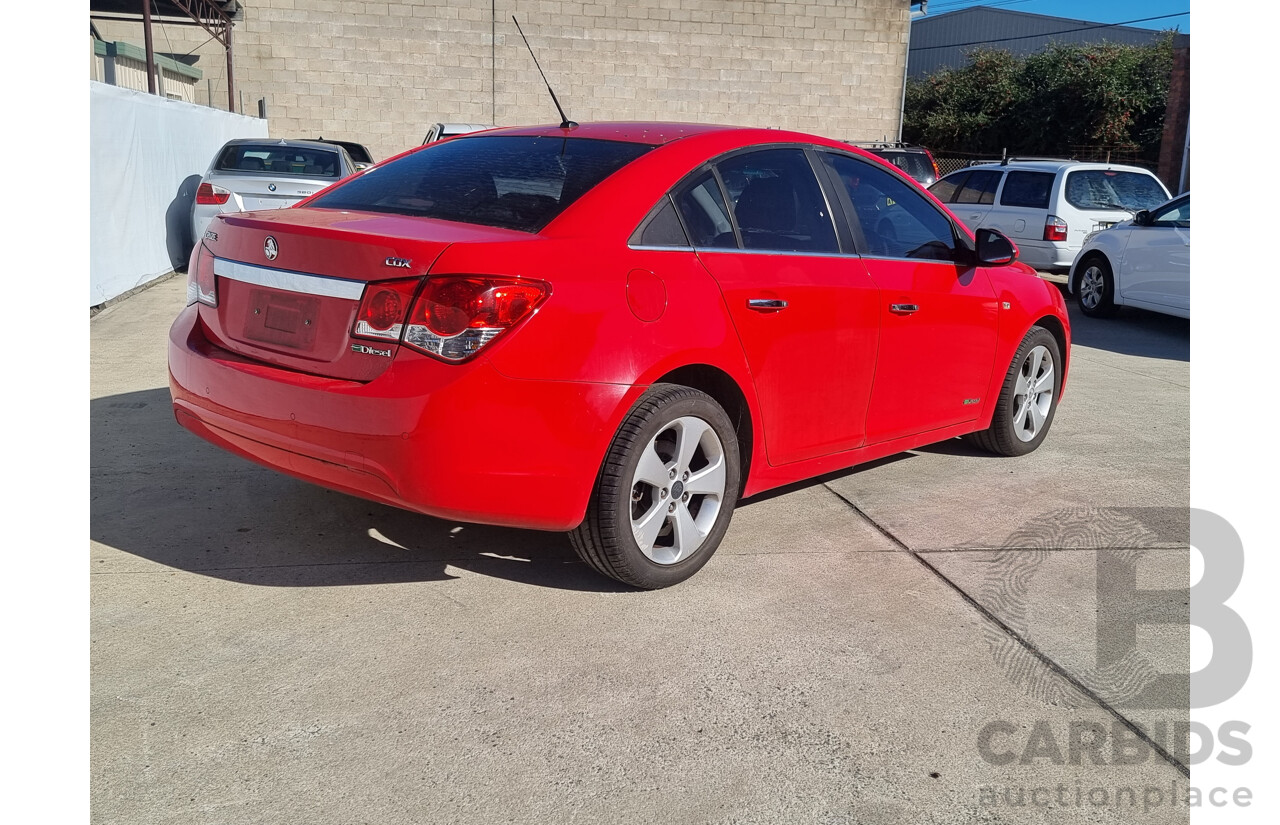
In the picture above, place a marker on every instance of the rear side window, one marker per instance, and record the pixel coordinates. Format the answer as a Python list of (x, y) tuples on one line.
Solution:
[(661, 227), (513, 182), (1029, 189), (704, 213), (979, 188), (1112, 189), (279, 160), (777, 202)]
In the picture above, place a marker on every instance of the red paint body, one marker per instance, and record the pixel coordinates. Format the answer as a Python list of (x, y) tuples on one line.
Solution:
[(516, 435)]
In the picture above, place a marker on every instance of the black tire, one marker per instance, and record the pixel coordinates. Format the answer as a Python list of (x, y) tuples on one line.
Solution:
[(1095, 287), (605, 540), (1008, 433)]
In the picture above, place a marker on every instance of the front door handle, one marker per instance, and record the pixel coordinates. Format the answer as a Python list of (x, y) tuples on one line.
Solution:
[(904, 309), (766, 304)]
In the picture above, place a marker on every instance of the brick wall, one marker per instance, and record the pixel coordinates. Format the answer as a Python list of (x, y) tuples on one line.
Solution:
[(381, 72)]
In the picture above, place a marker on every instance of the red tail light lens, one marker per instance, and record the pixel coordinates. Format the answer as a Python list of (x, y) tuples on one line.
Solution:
[(936, 174), (454, 317), (382, 310), (201, 282), (1055, 229), (212, 195)]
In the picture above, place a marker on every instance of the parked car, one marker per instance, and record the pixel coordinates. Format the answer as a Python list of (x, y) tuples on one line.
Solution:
[(252, 174), (1144, 262), (358, 151), (440, 131), (1047, 207), (916, 161), (614, 330)]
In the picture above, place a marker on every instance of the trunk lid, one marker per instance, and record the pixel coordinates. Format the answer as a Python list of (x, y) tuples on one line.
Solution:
[(255, 191), (289, 282)]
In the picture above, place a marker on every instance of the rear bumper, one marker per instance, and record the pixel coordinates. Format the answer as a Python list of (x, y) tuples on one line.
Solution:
[(460, 442), (1054, 256)]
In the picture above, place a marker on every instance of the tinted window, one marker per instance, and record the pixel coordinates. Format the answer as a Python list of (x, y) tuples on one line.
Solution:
[(979, 188), (1175, 214), (777, 202), (945, 189), (661, 228), (704, 212), (1111, 189), (893, 219), (512, 182), (279, 160), (915, 164), (1029, 189)]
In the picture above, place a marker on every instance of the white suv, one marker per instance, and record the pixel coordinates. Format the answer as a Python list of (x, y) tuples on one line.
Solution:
[(1047, 207)]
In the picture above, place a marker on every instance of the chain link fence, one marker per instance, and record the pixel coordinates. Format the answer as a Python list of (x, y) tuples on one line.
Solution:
[(1128, 155)]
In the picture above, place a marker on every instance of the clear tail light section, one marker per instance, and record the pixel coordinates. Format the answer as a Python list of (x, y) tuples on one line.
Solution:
[(211, 195), (383, 308), (1055, 228), (454, 317), (201, 283)]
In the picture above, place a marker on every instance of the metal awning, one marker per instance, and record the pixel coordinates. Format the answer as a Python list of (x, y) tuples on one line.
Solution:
[(217, 17)]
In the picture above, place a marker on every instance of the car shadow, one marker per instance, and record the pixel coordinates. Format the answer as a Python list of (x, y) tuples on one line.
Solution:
[(177, 223), (1131, 332), (161, 494)]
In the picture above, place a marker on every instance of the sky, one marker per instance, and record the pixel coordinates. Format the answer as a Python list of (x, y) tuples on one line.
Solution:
[(1095, 11)]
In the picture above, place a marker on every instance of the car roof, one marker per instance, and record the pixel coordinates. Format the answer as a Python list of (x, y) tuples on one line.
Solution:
[(652, 133), (1056, 166), (313, 144)]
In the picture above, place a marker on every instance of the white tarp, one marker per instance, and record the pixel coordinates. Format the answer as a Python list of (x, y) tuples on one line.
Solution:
[(146, 156)]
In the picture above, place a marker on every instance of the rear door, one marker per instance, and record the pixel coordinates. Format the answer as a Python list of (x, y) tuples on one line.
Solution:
[(805, 312), (1020, 212), (937, 315)]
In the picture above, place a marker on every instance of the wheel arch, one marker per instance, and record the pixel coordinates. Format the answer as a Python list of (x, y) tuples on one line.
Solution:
[(1059, 332), (726, 392)]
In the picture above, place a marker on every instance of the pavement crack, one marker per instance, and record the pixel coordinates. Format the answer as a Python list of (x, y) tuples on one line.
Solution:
[(1031, 648)]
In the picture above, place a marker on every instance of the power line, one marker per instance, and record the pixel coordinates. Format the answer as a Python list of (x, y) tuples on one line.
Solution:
[(1049, 34)]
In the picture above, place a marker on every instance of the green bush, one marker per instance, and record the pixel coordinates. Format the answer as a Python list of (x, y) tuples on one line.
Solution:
[(1051, 103)]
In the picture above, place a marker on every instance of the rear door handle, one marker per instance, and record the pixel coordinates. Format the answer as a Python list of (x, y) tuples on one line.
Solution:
[(904, 309), (766, 304)]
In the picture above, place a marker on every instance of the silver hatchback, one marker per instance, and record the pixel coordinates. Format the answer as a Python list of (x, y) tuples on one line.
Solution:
[(252, 174)]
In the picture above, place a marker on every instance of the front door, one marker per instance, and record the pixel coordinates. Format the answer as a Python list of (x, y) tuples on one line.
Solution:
[(938, 317)]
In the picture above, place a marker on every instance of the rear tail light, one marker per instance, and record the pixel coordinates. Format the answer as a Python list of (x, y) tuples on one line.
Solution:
[(383, 309), (201, 282), (454, 317), (937, 175), (212, 195), (1055, 229)]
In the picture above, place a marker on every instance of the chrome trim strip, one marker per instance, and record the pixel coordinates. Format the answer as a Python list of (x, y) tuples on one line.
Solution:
[(289, 281), (734, 251)]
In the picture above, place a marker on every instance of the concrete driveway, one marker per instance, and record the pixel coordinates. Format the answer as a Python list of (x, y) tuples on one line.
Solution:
[(914, 641)]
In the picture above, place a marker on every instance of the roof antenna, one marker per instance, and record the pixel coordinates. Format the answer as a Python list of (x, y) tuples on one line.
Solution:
[(565, 122)]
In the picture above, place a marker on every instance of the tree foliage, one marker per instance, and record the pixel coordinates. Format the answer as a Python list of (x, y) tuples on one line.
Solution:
[(1052, 102)]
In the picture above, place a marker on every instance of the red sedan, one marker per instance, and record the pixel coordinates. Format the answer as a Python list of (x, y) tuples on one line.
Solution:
[(613, 329)]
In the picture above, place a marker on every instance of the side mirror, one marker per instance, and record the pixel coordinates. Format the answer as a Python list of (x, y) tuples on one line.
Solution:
[(1143, 218), (994, 249)]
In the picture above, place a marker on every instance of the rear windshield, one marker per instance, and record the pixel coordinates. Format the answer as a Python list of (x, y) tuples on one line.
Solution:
[(1111, 189), (277, 160), (513, 182), (915, 164)]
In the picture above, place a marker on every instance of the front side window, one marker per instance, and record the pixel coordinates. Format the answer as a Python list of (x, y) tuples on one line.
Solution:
[(1114, 189), (980, 188), (945, 189), (778, 202), (1175, 214), (277, 160), (893, 220), (1027, 189), (513, 182)]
